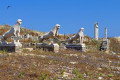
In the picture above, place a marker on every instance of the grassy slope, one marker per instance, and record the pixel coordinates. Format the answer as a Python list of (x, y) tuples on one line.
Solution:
[(66, 65), (38, 65)]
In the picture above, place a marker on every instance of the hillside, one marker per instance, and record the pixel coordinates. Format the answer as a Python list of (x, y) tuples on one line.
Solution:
[(65, 65), (35, 64)]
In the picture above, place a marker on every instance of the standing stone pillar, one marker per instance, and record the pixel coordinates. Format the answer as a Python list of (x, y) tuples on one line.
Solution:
[(105, 33), (96, 31)]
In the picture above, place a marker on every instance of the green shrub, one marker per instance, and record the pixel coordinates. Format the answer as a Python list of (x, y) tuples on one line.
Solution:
[(44, 77), (110, 75)]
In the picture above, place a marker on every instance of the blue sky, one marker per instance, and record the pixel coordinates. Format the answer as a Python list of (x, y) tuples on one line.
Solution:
[(42, 15)]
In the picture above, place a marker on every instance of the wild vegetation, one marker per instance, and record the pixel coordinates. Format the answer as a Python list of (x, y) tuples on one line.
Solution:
[(35, 64), (65, 65)]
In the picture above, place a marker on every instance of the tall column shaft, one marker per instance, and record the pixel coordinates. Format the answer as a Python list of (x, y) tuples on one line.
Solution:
[(105, 33), (96, 31)]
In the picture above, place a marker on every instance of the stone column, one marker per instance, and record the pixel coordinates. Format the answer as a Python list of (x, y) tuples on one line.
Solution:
[(105, 33), (96, 31)]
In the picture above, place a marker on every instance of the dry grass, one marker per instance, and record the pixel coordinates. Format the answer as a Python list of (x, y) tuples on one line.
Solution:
[(114, 45), (65, 65), (40, 65)]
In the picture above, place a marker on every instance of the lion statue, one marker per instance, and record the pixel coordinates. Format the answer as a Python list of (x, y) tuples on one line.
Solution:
[(79, 35), (14, 31), (52, 34)]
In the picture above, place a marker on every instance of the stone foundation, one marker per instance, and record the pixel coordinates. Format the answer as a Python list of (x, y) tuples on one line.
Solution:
[(11, 47), (48, 47), (105, 44), (76, 46)]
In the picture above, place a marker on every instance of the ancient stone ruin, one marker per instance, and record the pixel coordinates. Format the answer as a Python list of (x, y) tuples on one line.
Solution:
[(13, 33), (77, 46), (51, 46), (105, 42), (96, 31)]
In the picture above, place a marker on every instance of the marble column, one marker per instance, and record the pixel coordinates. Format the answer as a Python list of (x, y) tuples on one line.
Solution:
[(96, 31), (105, 33)]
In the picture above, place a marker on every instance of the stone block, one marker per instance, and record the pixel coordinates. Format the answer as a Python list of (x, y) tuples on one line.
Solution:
[(105, 44), (48, 47), (76, 47), (11, 47)]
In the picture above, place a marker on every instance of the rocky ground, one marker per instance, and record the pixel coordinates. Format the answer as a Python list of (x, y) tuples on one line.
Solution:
[(65, 65)]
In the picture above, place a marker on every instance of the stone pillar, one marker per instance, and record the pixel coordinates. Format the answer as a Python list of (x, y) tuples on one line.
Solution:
[(105, 33), (96, 31)]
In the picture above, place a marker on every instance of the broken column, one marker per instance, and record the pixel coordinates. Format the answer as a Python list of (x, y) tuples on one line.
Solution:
[(105, 33), (96, 31), (105, 42)]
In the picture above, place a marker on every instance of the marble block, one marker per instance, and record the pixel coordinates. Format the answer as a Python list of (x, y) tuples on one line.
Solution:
[(11, 47), (76, 47), (48, 47)]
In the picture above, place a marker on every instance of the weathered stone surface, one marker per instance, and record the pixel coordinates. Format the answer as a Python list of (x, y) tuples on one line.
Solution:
[(55, 47), (105, 33), (11, 47), (76, 46), (14, 33), (80, 45), (96, 31), (105, 44), (79, 36), (52, 34), (48, 47)]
